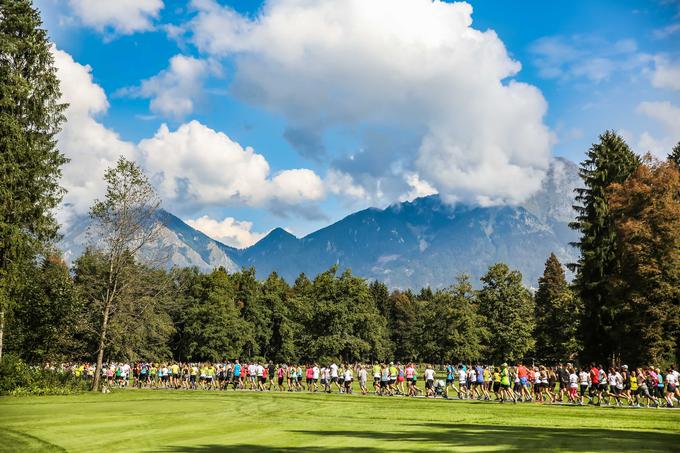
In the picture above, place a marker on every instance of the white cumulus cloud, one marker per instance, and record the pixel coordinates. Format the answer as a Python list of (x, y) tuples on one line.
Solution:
[(419, 188), (666, 73), (416, 65), (230, 231), (118, 16), (174, 90), (192, 167), (196, 164), (668, 117), (91, 146)]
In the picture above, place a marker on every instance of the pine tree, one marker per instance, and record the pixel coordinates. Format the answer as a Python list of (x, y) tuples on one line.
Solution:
[(508, 312), (607, 162), (381, 296), (557, 314), (674, 156), (46, 323), (30, 118), (403, 326)]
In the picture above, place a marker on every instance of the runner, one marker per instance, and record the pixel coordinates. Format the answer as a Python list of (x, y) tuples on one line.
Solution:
[(341, 378), (584, 384), (401, 377), (385, 380), (410, 374), (671, 386), (363, 377), (376, 377), (573, 386), (429, 380), (505, 385), (334, 375), (462, 383), (349, 378), (496, 382), (523, 375)]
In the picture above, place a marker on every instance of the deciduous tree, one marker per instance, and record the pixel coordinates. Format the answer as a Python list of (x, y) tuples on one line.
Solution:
[(646, 215), (123, 223), (508, 311)]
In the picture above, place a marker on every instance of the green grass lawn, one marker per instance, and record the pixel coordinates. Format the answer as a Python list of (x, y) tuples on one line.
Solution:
[(267, 422)]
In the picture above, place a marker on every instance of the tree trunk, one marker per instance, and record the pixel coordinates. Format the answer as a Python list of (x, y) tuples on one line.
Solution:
[(100, 351), (2, 329)]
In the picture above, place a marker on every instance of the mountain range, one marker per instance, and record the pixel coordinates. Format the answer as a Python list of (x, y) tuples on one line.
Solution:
[(424, 242)]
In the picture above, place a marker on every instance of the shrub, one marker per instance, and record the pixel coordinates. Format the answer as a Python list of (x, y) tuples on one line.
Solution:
[(20, 379)]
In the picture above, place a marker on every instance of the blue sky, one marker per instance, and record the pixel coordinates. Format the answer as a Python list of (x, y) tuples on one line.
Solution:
[(350, 104)]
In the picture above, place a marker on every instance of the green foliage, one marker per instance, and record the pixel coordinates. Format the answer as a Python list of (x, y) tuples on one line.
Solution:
[(47, 322), (608, 162), (380, 295), (123, 224), (254, 311), (212, 327), (285, 323), (19, 379), (558, 312), (344, 321), (508, 311), (139, 326), (30, 118), (404, 312), (462, 326)]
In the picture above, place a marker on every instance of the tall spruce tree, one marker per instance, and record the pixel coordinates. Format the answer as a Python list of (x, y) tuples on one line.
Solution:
[(558, 314), (30, 118), (674, 156), (403, 326), (607, 162)]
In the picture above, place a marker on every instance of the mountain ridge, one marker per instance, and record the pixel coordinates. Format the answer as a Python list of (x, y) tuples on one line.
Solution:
[(411, 244)]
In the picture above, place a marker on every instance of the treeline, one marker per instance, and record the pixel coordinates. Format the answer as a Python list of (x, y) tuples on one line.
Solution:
[(184, 314)]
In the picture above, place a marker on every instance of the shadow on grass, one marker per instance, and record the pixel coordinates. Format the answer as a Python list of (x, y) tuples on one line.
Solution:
[(15, 441), (441, 437)]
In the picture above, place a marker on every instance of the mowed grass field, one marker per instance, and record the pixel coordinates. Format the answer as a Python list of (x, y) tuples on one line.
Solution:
[(160, 420)]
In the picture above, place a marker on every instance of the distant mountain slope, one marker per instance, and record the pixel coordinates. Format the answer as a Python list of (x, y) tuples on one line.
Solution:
[(426, 242), (407, 245), (178, 244)]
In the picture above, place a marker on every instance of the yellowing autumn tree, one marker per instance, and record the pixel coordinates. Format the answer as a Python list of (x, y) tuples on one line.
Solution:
[(646, 214)]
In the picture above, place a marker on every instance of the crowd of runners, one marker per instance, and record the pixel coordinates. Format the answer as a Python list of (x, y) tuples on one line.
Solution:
[(594, 384)]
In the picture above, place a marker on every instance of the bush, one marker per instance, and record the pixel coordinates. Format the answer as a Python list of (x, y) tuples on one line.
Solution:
[(20, 379)]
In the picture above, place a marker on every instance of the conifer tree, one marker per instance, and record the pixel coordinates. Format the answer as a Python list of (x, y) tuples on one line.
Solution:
[(30, 117), (557, 314), (674, 156), (607, 162)]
